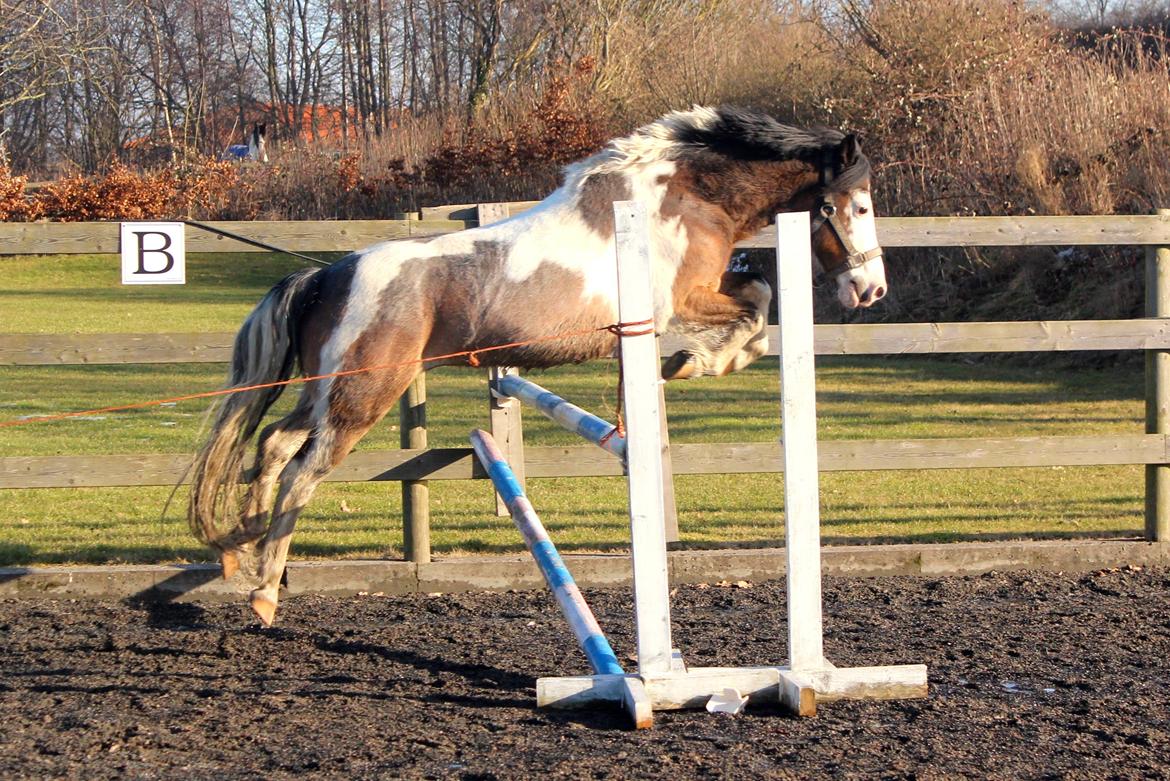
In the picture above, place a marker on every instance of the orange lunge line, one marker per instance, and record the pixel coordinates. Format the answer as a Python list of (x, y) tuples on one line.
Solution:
[(617, 329)]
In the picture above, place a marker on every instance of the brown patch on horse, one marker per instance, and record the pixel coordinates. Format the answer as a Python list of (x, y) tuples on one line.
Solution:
[(595, 203), (709, 232), (470, 304), (358, 401), (582, 324), (482, 308), (323, 312), (714, 314), (752, 191)]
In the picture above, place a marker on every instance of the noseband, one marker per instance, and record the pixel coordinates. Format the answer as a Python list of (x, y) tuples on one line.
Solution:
[(827, 214)]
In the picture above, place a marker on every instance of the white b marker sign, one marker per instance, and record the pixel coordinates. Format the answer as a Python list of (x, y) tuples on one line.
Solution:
[(153, 253)]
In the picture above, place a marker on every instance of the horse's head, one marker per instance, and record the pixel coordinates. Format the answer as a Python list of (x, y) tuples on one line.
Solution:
[(844, 235)]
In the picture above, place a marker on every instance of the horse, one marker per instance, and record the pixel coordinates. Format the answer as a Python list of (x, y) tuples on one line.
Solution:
[(709, 177), (255, 150)]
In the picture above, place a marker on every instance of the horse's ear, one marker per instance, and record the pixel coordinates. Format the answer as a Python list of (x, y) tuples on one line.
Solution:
[(849, 151)]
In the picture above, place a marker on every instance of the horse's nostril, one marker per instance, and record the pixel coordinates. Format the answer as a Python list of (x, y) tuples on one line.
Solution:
[(870, 295)]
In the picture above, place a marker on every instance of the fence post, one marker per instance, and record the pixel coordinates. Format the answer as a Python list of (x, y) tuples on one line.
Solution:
[(416, 495), (1158, 392), (507, 430)]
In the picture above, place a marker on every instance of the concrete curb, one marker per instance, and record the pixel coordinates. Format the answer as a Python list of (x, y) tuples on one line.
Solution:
[(201, 582)]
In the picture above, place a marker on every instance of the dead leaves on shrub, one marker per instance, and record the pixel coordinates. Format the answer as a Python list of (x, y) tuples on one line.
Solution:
[(561, 126)]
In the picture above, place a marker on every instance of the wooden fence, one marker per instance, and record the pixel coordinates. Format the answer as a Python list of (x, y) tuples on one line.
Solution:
[(415, 463)]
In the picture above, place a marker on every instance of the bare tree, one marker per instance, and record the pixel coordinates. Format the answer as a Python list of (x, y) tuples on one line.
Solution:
[(41, 42), (298, 58)]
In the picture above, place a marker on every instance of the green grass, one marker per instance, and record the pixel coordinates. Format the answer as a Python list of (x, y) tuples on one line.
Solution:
[(82, 294), (859, 398)]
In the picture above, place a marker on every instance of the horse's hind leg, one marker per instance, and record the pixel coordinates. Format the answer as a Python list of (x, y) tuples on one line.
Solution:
[(278, 443), (355, 404), (725, 330)]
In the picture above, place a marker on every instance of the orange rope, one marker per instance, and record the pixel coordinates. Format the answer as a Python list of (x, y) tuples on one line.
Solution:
[(623, 329), (472, 360), (619, 330)]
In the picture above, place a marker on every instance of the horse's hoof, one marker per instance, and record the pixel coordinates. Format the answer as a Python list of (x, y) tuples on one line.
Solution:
[(264, 608), (230, 564), (680, 366)]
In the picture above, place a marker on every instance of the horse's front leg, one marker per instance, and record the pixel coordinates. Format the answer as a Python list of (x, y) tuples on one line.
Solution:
[(725, 330), (756, 290)]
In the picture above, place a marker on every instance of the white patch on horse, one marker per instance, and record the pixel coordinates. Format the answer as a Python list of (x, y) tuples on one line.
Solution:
[(645, 159), (866, 284), (555, 232), (376, 268), (861, 220)]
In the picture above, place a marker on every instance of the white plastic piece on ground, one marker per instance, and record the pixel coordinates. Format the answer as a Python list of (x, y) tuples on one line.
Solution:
[(727, 701)]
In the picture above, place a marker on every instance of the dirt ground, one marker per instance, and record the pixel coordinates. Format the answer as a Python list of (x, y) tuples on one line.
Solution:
[(1032, 675)]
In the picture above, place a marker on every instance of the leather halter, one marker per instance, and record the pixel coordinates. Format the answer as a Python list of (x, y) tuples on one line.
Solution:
[(827, 214)]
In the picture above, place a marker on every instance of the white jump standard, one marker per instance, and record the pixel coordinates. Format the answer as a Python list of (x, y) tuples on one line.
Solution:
[(809, 676), (663, 681)]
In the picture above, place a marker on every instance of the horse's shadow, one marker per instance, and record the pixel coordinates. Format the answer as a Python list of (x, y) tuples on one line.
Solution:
[(160, 602), (480, 675), (514, 689)]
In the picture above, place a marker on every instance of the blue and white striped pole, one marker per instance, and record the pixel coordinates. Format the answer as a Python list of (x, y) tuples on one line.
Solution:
[(566, 414), (556, 574)]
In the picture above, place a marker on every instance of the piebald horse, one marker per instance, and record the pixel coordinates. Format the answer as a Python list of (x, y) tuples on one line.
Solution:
[(709, 177)]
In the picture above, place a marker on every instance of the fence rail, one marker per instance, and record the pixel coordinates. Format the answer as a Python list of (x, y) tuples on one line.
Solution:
[(66, 238), (862, 339), (578, 461), (413, 464), (73, 238)]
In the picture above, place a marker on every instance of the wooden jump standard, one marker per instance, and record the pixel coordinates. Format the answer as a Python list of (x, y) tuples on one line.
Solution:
[(663, 681)]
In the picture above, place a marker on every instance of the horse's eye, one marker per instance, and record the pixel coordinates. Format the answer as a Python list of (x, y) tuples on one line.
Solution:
[(828, 209), (862, 210)]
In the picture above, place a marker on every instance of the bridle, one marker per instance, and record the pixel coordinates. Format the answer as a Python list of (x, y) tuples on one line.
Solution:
[(827, 214)]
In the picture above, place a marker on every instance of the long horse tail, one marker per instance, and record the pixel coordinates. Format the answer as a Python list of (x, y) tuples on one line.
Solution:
[(265, 351)]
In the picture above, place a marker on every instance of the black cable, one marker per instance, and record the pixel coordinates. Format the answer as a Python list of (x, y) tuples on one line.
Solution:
[(253, 242)]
